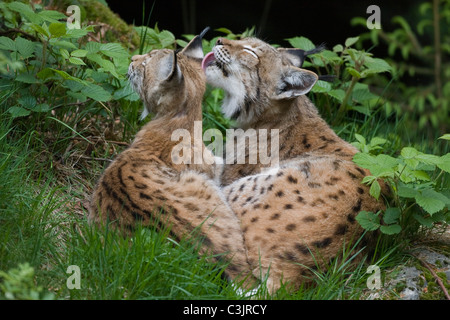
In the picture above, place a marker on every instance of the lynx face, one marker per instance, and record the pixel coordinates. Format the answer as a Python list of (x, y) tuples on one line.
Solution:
[(250, 71), (164, 78)]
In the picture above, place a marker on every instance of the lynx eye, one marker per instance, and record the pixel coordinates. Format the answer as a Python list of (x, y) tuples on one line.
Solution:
[(249, 49)]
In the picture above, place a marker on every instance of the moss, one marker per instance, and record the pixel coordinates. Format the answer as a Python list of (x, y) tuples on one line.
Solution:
[(120, 30)]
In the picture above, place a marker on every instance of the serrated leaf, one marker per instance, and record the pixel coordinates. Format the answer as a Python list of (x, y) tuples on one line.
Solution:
[(96, 92), (368, 220), (445, 163), (301, 43), (338, 94), (375, 189), (64, 53), (27, 102), (7, 44), (364, 160), (77, 61), (391, 229), (406, 192), (376, 65), (80, 53), (391, 215), (51, 15), (431, 201), (427, 222), (114, 50), (41, 107), (351, 41), (17, 112), (57, 29)]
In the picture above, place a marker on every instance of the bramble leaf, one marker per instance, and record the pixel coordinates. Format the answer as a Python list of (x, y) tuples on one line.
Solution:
[(368, 220)]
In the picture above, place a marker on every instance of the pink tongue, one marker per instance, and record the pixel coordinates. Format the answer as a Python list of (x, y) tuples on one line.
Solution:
[(207, 60)]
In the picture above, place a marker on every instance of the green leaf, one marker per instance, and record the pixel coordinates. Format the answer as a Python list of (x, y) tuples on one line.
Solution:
[(77, 61), (64, 53), (7, 44), (368, 220), (445, 163), (445, 136), (17, 112), (392, 229), (391, 215), (375, 189), (52, 15), (338, 94), (41, 107), (301, 43), (57, 29), (79, 53), (406, 192), (114, 50), (351, 41), (96, 92), (338, 48), (427, 222), (27, 102), (376, 65), (364, 160), (25, 47), (40, 30), (431, 201)]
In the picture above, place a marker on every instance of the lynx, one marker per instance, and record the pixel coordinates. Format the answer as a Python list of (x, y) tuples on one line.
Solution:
[(144, 185), (298, 215)]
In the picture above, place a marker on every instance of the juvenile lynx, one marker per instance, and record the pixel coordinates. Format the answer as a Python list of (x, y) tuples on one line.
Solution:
[(143, 182), (300, 213)]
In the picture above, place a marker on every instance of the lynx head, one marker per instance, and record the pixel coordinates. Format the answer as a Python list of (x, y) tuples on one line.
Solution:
[(256, 77), (169, 81)]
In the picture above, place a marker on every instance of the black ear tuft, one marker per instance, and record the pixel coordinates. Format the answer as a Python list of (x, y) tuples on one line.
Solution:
[(297, 56), (327, 77)]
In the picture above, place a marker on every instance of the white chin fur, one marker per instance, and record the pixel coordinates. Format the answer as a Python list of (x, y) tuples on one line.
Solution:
[(234, 89)]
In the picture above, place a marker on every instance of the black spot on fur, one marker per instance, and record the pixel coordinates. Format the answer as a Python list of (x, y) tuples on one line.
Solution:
[(291, 179), (291, 227), (279, 194), (314, 185), (288, 206), (266, 206), (144, 196), (360, 190), (322, 243), (301, 248), (254, 219), (275, 216), (309, 219), (357, 207), (301, 199), (270, 230), (341, 229)]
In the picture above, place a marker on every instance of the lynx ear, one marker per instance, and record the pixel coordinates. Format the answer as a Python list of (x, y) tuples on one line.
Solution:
[(169, 69), (194, 48), (295, 82), (296, 57)]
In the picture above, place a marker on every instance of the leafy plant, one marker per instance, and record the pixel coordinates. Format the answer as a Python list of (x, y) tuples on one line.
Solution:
[(18, 284), (418, 48), (418, 183), (349, 66)]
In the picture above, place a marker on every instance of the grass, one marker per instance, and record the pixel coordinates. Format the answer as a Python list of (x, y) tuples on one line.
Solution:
[(44, 183)]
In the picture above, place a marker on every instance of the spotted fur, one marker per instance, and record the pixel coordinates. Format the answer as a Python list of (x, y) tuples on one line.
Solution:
[(143, 184), (298, 215)]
